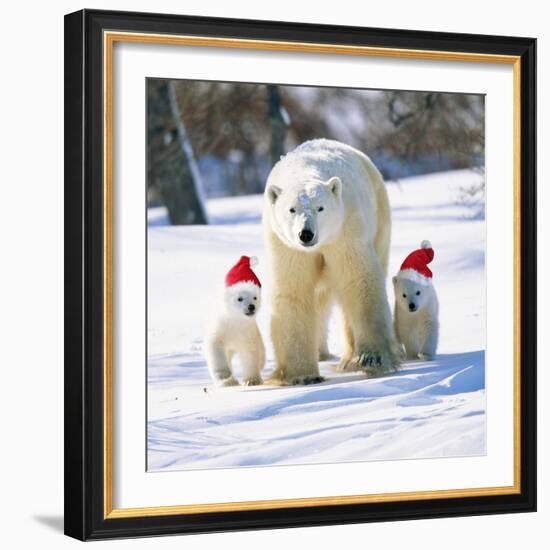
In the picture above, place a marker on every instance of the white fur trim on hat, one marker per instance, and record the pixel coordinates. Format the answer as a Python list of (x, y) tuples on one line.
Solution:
[(414, 276), (253, 261), (243, 285), (425, 244)]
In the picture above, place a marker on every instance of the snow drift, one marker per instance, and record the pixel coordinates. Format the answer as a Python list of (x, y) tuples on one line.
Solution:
[(428, 409)]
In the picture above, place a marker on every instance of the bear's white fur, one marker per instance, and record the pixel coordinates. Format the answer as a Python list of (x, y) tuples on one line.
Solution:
[(416, 317), (233, 332), (327, 225)]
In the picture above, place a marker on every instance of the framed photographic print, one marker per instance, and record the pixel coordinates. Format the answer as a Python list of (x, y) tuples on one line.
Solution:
[(300, 274)]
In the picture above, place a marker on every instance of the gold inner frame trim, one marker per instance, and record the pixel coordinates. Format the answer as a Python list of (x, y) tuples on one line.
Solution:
[(109, 39)]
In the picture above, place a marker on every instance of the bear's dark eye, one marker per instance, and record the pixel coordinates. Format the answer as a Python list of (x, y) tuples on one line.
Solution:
[(240, 299), (292, 210), (255, 298), (320, 209), (404, 295), (418, 292)]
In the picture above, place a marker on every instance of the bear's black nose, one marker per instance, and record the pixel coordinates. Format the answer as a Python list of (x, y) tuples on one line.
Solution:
[(251, 308), (306, 236), (412, 307)]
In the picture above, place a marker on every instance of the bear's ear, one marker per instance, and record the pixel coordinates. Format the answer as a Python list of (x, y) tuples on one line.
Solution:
[(273, 193), (335, 186), (394, 279)]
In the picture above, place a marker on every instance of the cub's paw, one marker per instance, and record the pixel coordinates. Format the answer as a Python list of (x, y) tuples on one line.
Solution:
[(253, 381), (425, 357), (306, 379), (228, 382)]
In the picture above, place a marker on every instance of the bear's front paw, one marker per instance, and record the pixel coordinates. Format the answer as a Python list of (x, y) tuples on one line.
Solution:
[(370, 359), (375, 364), (253, 381), (371, 364), (425, 357)]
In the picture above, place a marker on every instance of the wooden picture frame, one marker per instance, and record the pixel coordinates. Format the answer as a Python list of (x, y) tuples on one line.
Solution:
[(89, 39)]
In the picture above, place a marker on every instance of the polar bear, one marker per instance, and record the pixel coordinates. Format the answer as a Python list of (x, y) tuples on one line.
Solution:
[(233, 330), (416, 314), (327, 225)]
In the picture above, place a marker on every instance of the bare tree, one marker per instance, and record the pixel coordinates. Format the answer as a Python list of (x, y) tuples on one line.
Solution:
[(171, 164), (279, 121), (239, 131)]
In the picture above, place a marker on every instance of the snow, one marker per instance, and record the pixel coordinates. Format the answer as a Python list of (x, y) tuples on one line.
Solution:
[(427, 409)]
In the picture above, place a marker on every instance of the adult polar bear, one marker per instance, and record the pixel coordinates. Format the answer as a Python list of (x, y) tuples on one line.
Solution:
[(327, 224)]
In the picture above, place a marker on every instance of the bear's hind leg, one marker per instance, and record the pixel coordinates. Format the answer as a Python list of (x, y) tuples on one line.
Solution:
[(324, 306)]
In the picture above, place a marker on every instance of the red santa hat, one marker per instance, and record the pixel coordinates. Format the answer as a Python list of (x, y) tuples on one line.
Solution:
[(415, 265), (241, 272)]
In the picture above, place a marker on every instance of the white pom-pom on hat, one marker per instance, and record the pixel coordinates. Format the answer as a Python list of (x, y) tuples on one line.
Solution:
[(425, 244), (253, 261)]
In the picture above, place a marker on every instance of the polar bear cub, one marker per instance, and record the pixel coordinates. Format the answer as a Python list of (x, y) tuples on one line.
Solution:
[(233, 330), (416, 316)]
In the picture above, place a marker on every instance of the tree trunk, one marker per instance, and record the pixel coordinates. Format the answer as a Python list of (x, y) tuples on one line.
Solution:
[(278, 122), (171, 162)]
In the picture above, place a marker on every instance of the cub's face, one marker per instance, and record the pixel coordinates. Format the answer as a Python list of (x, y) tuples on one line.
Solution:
[(307, 216), (410, 295), (243, 299)]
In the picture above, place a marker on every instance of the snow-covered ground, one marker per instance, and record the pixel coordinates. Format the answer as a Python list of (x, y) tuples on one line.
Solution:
[(428, 409)]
